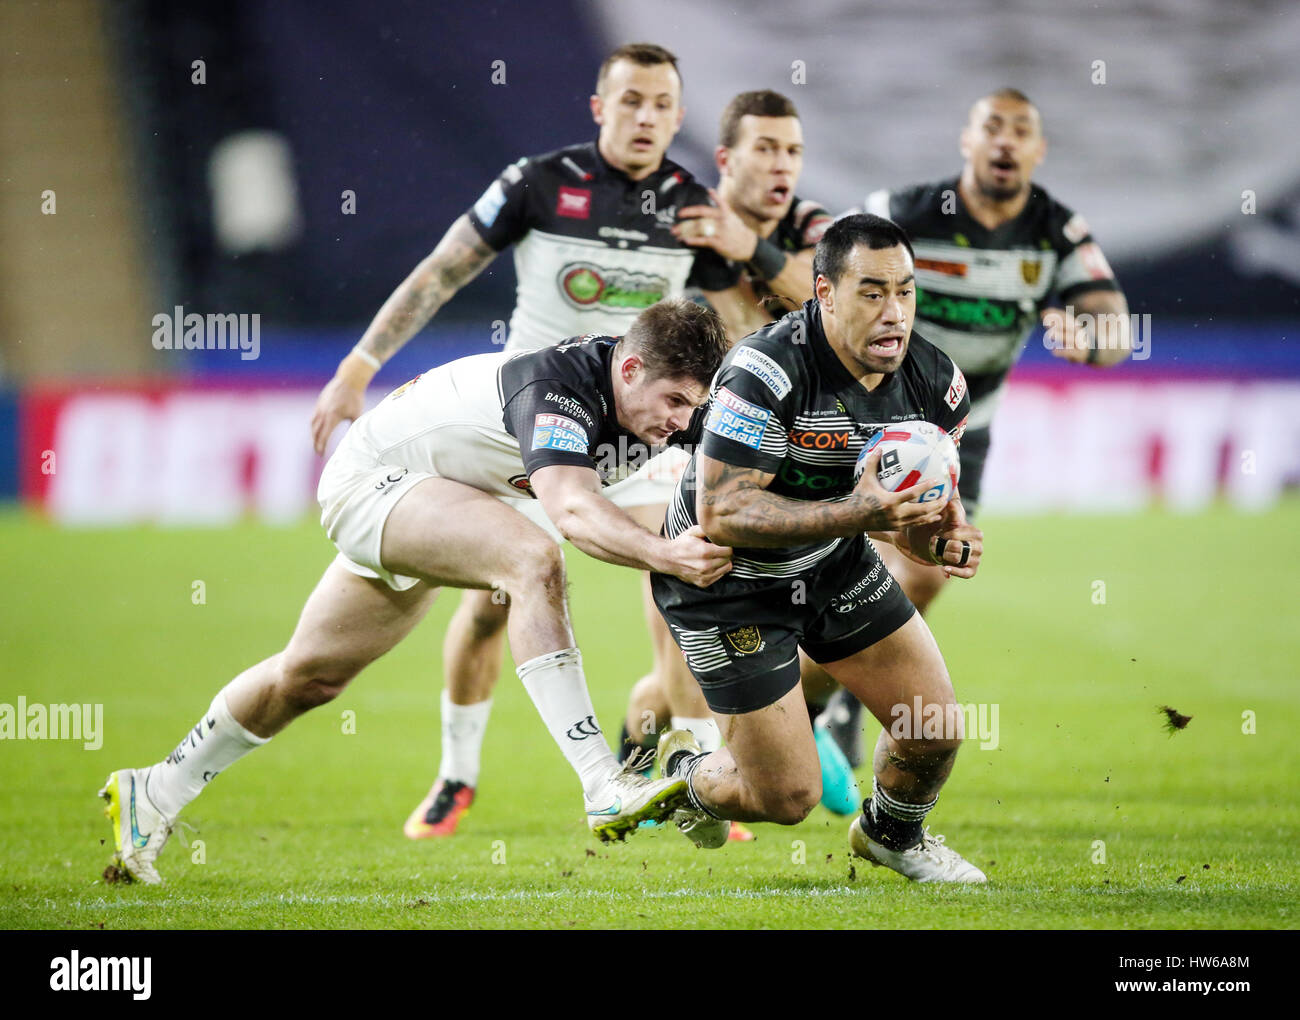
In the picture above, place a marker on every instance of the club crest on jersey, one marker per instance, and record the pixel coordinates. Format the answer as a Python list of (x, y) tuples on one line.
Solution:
[(574, 203), (745, 640), (556, 432), (1030, 270), (522, 483)]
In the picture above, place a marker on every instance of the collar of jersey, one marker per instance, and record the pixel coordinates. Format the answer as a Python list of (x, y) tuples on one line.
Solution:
[(603, 168)]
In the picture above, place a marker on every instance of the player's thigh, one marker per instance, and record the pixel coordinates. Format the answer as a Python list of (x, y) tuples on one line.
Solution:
[(818, 685), (449, 533), (895, 671), (349, 621), (773, 746), (921, 583)]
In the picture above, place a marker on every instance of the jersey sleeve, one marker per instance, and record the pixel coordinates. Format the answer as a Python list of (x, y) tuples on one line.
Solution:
[(952, 407), (546, 417), (501, 213), (746, 423), (810, 220), (1081, 266)]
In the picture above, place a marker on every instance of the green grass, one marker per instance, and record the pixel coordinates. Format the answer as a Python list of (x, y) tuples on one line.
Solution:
[(1201, 829)]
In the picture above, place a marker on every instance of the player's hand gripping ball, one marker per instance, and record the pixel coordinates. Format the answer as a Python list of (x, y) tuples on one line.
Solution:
[(913, 452)]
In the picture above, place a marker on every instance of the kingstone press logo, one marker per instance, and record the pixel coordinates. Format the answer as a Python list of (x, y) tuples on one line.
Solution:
[(53, 722), (586, 285), (181, 331)]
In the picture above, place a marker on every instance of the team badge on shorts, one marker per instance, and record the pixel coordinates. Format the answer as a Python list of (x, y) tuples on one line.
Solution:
[(745, 640)]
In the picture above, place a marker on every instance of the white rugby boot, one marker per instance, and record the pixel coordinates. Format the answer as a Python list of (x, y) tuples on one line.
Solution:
[(629, 798), (928, 861), (140, 830)]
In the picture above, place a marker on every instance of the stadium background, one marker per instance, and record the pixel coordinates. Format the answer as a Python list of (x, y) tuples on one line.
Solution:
[(130, 189)]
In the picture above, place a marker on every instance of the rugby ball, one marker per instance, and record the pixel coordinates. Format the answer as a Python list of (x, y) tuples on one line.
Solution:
[(913, 452)]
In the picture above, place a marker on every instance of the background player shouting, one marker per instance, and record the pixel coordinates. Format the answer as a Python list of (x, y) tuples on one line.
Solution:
[(992, 249)]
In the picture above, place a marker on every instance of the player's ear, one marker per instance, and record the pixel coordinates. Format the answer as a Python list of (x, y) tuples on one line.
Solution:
[(598, 110), (630, 368), (964, 143), (681, 116), (825, 291), (721, 159)]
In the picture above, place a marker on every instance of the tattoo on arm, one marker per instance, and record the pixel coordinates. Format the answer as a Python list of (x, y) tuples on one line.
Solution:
[(738, 506), (460, 256)]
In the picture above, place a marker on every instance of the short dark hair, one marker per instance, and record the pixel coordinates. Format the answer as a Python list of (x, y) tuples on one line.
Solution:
[(642, 54), (845, 234), (676, 337), (763, 103), (1009, 93)]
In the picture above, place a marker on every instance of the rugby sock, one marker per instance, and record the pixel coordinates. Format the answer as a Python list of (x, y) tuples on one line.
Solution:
[(216, 743), (893, 823), (559, 690), (706, 731), (463, 728), (686, 769)]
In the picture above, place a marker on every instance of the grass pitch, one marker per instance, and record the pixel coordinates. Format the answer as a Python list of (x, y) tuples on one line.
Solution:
[(1088, 814)]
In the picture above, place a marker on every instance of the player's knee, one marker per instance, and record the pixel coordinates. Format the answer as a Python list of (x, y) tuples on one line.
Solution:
[(538, 561), (793, 801), (308, 682)]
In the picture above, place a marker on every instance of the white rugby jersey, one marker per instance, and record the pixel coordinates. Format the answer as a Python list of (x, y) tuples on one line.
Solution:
[(593, 248)]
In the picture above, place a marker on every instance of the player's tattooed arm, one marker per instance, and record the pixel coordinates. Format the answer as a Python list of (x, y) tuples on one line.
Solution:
[(459, 257), (735, 507)]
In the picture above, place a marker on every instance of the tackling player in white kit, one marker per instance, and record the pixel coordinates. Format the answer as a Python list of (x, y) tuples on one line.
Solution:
[(413, 499)]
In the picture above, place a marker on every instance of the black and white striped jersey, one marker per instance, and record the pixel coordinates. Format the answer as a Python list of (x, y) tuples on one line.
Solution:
[(593, 248), (980, 292), (784, 403)]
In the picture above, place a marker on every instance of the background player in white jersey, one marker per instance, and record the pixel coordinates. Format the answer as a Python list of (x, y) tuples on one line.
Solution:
[(992, 248), (413, 499), (592, 230)]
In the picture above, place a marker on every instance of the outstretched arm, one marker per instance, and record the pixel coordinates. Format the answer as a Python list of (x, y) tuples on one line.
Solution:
[(572, 499), (459, 257)]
